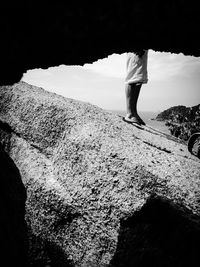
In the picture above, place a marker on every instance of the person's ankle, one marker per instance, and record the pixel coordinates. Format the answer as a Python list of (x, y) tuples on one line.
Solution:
[(132, 114), (128, 115)]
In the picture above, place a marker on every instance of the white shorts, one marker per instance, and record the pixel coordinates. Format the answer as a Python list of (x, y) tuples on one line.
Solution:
[(136, 68)]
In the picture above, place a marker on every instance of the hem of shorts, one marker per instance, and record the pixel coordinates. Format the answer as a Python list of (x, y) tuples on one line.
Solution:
[(129, 82)]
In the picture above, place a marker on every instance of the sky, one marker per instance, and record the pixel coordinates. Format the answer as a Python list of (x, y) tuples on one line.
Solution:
[(174, 79)]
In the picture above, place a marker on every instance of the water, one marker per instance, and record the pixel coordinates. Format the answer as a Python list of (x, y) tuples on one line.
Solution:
[(147, 117)]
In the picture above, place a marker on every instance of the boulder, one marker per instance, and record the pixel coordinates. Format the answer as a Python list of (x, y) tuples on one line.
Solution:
[(100, 192)]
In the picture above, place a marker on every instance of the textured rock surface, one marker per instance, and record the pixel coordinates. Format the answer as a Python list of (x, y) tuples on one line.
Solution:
[(43, 34), (13, 234), (101, 192)]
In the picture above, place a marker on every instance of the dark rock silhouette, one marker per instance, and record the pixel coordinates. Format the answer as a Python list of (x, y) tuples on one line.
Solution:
[(160, 234), (40, 34), (13, 232), (88, 174), (194, 144), (182, 121)]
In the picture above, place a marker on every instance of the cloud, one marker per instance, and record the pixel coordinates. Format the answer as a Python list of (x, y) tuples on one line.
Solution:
[(113, 66), (161, 66), (173, 78), (165, 66), (37, 73)]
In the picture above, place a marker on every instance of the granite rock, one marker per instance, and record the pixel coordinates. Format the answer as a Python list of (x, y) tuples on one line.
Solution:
[(100, 192)]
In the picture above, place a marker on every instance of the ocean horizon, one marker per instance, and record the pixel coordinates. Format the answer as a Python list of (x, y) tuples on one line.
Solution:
[(149, 119)]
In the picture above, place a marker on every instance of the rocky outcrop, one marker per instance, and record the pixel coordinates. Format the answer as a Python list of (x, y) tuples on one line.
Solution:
[(40, 34), (100, 192), (182, 121), (13, 231)]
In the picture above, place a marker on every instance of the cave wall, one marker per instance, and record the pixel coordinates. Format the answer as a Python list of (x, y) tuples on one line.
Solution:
[(13, 235), (40, 34)]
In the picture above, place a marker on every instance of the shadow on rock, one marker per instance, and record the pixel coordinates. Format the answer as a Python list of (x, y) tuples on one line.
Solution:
[(13, 233), (45, 254), (160, 234)]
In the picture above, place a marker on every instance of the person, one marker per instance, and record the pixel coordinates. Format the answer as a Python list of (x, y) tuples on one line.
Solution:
[(135, 77)]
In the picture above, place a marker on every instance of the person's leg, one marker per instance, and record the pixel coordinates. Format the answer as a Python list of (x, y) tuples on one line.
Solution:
[(132, 93)]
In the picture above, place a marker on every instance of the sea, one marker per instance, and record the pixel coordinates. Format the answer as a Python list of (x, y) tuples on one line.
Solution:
[(149, 118)]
